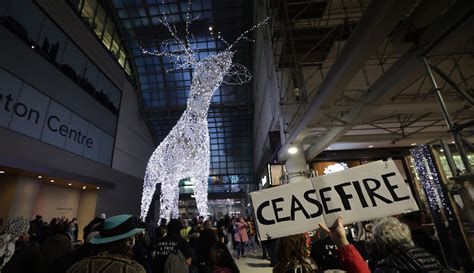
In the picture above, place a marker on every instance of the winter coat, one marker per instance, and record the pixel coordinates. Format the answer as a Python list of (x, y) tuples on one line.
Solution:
[(351, 260), (25, 259), (241, 232), (414, 259), (105, 263)]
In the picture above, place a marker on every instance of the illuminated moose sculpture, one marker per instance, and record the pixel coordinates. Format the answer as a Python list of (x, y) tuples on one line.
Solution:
[(185, 153)]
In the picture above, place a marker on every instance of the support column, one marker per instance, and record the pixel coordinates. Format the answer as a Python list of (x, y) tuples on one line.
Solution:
[(86, 210), (296, 167), (26, 195)]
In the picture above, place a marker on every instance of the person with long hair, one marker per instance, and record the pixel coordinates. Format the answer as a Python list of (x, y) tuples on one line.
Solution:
[(292, 255)]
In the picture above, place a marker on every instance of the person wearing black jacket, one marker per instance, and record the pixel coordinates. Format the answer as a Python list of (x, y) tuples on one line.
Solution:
[(396, 251)]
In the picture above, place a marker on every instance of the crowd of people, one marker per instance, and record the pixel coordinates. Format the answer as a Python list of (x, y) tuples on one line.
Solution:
[(123, 243)]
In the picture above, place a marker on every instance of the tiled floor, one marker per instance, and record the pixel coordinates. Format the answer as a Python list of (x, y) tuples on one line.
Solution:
[(253, 263)]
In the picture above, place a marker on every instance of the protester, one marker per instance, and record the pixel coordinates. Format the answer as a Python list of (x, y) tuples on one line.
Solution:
[(55, 246), (140, 250), (292, 255), (171, 243), (16, 255), (94, 225), (251, 234), (221, 232), (419, 235), (271, 247), (349, 258), (74, 229), (397, 252), (231, 230), (115, 242), (36, 230), (324, 252), (185, 230), (214, 256), (241, 236)]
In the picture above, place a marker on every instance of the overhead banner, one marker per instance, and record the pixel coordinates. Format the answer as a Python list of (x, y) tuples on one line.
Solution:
[(357, 194)]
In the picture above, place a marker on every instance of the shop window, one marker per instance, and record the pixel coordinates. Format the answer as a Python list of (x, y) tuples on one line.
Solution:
[(52, 42), (72, 62), (114, 99), (122, 57), (127, 68), (115, 46), (88, 11), (77, 4), (99, 21), (24, 18), (89, 80), (108, 34), (103, 89)]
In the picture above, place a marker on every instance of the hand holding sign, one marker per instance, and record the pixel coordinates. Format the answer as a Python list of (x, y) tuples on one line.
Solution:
[(336, 232), (360, 193)]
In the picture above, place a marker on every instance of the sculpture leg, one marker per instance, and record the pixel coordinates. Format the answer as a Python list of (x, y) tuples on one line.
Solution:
[(169, 199), (200, 192), (149, 186)]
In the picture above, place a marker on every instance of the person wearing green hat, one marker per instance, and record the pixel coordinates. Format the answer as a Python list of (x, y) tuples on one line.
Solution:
[(115, 242)]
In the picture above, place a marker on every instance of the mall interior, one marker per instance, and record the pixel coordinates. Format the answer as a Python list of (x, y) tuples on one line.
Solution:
[(90, 88)]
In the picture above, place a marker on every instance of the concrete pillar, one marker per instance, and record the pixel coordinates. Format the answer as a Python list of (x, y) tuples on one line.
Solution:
[(25, 197), (86, 210), (8, 186), (296, 166)]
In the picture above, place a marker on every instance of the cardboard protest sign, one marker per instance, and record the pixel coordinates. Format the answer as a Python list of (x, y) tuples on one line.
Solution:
[(357, 194)]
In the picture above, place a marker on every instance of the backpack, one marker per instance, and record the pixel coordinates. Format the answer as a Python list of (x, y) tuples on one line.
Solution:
[(176, 263)]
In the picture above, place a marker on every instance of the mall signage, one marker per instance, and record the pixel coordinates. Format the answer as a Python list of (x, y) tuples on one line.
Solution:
[(357, 194), (26, 110)]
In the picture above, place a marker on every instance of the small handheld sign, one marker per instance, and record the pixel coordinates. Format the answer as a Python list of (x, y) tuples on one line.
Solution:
[(357, 194)]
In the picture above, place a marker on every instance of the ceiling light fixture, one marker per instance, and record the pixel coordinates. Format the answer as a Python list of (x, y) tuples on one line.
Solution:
[(210, 28), (52, 180), (2, 171), (39, 176), (371, 146), (413, 144), (452, 142), (98, 188), (441, 150), (292, 150), (84, 187), (328, 148), (69, 184)]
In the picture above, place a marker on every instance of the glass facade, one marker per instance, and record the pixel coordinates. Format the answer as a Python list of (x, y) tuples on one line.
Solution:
[(103, 26), (25, 19), (165, 93)]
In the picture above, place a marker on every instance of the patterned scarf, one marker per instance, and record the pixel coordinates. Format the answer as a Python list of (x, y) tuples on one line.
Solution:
[(14, 229)]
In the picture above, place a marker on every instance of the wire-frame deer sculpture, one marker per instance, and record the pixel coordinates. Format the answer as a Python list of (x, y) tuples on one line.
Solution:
[(185, 151)]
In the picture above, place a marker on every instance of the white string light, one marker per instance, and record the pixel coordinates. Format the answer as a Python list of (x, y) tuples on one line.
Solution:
[(185, 151)]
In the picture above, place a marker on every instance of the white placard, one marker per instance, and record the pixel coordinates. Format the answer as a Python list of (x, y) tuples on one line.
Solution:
[(357, 194)]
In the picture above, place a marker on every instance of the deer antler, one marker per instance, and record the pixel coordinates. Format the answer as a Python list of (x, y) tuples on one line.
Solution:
[(244, 34), (184, 54)]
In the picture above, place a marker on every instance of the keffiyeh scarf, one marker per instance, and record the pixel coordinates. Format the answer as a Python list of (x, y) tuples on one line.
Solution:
[(14, 229)]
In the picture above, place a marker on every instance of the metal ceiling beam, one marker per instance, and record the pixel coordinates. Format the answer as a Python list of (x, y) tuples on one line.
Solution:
[(454, 28), (386, 137), (402, 108), (379, 19)]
